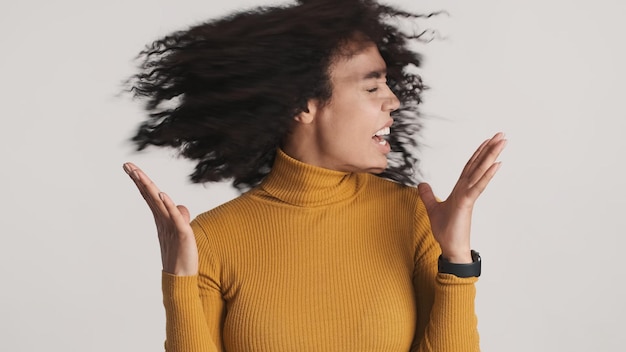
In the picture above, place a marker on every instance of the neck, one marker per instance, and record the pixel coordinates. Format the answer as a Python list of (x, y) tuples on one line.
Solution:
[(302, 184)]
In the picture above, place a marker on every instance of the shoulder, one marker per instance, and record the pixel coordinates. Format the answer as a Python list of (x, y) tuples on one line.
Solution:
[(391, 190), (399, 196), (225, 213)]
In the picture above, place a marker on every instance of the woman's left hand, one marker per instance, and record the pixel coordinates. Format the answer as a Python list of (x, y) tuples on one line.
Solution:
[(451, 219)]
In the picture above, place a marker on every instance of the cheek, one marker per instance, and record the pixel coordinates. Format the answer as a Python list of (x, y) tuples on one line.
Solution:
[(352, 121)]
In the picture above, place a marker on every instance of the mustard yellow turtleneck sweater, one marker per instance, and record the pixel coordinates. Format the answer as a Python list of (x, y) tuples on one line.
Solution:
[(319, 260)]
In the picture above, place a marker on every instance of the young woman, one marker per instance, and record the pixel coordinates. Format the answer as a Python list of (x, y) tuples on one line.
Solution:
[(311, 109)]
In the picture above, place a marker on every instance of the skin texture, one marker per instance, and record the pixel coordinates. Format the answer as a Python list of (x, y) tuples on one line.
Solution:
[(451, 219), (338, 135), (179, 253)]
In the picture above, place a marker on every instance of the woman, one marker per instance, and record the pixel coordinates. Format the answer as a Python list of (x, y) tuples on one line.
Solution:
[(312, 110)]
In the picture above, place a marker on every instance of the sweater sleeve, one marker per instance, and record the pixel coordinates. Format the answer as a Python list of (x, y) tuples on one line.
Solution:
[(446, 319), (194, 307)]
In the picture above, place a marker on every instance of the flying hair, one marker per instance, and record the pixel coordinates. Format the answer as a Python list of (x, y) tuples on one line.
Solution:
[(224, 93)]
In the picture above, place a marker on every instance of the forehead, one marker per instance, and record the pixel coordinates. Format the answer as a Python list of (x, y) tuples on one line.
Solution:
[(363, 64)]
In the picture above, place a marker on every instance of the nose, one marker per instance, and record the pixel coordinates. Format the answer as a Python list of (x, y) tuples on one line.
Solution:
[(392, 102)]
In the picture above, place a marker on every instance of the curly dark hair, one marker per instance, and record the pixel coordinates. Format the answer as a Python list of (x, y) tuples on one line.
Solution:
[(225, 92)]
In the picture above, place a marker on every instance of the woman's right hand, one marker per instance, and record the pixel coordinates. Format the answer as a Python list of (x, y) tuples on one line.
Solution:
[(179, 253)]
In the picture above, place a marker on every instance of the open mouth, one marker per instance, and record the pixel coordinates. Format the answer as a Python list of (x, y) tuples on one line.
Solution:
[(378, 137)]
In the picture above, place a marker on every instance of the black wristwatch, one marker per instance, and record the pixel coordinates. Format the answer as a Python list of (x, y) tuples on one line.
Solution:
[(461, 270)]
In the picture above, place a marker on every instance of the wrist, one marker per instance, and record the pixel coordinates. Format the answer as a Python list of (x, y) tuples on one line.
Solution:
[(458, 256)]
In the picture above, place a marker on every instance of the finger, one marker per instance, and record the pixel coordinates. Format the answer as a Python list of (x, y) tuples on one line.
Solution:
[(152, 196), (427, 195), (482, 183), (485, 161), (468, 166), (175, 213), (129, 167), (473, 162), (132, 170), (184, 212), (148, 189)]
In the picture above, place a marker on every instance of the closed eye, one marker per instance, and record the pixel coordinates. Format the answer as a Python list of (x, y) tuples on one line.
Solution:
[(372, 90)]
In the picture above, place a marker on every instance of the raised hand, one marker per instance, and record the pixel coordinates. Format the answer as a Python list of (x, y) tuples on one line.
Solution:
[(451, 219), (179, 253)]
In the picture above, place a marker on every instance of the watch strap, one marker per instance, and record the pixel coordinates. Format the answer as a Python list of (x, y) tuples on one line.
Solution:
[(461, 270)]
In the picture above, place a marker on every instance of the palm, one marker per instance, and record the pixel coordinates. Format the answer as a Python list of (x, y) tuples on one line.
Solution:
[(179, 253), (451, 219)]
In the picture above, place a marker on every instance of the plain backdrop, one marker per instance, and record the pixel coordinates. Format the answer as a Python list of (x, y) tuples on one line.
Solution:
[(79, 260)]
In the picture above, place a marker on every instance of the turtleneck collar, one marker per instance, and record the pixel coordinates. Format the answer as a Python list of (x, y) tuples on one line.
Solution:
[(300, 184)]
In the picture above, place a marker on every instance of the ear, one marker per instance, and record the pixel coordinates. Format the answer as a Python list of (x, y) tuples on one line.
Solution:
[(307, 116)]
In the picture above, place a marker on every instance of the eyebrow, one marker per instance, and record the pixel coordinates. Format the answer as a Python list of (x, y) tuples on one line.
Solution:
[(375, 74)]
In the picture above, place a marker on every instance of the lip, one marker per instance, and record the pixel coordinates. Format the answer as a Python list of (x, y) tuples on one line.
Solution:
[(383, 148), (388, 124)]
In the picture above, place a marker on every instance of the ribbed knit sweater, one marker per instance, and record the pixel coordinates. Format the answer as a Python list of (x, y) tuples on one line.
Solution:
[(319, 260)]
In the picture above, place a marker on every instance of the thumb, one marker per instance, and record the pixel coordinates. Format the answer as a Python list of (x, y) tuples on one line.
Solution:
[(426, 193), (184, 212)]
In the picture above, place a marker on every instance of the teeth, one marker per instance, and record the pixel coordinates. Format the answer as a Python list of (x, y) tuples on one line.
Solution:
[(383, 132)]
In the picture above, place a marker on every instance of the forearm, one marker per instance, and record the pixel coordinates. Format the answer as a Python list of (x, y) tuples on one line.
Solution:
[(446, 319), (186, 326), (452, 323)]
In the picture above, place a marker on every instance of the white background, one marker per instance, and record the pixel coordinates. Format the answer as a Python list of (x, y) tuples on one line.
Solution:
[(79, 261)]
